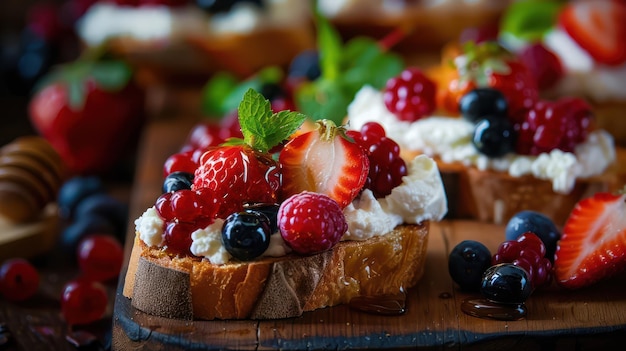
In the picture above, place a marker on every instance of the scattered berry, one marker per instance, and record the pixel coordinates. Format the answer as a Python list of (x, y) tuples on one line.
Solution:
[(386, 167), (324, 161), (593, 245), (411, 95), (494, 136), (246, 235), (83, 302), (467, 262), (177, 181), (537, 223), (74, 190), (100, 257), (311, 222), (506, 283), (529, 253), (106, 206), (482, 102), (82, 227), (19, 280)]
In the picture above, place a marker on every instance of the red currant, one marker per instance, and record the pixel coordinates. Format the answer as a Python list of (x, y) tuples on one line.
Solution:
[(178, 236), (100, 257), (19, 280), (386, 166), (527, 252), (180, 162), (411, 95), (83, 302)]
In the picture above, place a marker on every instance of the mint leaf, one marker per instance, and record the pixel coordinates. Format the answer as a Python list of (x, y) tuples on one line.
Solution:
[(530, 20), (324, 99), (262, 129), (111, 75)]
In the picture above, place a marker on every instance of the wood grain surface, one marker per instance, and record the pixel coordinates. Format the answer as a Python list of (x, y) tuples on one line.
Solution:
[(557, 319)]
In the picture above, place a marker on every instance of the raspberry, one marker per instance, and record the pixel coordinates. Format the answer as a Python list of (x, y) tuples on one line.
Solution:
[(411, 95), (386, 166), (311, 222), (528, 252), (543, 64), (550, 125)]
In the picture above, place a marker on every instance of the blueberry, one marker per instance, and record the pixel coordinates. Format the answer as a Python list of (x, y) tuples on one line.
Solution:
[(482, 102), (272, 91), (467, 262), (82, 227), (74, 190), (218, 6), (506, 283), (177, 181), (246, 235), (269, 210), (537, 223), (305, 65), (494, 136), (107, 207)]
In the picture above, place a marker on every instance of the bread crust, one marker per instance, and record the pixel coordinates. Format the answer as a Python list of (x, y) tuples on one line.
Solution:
[(271, 288)]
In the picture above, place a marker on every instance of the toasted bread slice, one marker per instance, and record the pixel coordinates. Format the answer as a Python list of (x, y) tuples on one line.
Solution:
[(271, 288)]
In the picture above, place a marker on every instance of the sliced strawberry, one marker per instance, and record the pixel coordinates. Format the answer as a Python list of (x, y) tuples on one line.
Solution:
[(599, 27), (593, 245), (324, 161)]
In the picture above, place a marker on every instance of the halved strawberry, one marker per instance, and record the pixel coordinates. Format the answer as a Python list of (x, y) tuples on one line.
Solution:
[(599, 27), (324, 161), (593, 244)]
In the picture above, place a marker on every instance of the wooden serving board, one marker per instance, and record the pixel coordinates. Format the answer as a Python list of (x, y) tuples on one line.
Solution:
[(591, 318)]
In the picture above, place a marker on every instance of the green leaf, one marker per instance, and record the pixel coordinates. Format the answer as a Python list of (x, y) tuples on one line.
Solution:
[(111, 75), (530, 20), (324, 99), (329, 45), (262, 129), (76, 94)]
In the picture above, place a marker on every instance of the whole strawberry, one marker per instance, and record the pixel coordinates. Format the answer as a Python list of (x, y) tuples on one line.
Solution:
[(242, 171), (325, 161), (90, 112), (311, 222)]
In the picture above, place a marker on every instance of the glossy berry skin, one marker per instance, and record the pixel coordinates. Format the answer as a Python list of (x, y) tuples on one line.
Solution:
[(386, 166), (83, 302), (238, 175), (467, 262), (528, 252), (411, 95), (482, 102), (537, 223), (106, 206), (549, 125), (180, 162), (177, 181), (269, 210), (100, 257), (82, 227), (246, 235), (209, 134), (311, 222), (506, 283), (19, 280), (494, 136), (74, 190), (543, 64)]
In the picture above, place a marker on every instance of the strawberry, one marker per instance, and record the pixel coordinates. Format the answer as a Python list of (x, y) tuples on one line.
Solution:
[(90, 112), (325, 161), (593, 245), (488, 65), (599, 27), (243, 171)]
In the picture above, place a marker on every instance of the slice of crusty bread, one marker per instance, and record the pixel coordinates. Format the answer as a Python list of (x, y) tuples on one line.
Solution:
[(270, 288)]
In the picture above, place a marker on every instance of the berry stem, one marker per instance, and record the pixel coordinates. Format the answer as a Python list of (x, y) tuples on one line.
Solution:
[(327, 129)]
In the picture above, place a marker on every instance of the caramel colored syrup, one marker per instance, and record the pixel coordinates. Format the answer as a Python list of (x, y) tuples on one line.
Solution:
[(388, 304), (483, 308)]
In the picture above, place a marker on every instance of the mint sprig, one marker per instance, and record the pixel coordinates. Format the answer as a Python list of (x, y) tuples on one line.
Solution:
[(263, 129)]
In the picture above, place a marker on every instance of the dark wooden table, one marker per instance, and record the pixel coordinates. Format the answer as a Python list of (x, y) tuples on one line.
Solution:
[(592, 319)]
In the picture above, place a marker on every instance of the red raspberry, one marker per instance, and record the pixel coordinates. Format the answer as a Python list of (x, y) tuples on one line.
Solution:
[(411, 95), (311, 222), (386, 166), (550, 125), (518, 85)]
